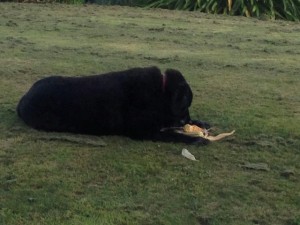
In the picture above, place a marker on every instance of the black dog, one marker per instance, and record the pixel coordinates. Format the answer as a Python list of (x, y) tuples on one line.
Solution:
[(137, 103)]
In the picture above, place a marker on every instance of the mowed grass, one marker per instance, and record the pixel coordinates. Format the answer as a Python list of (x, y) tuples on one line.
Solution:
[(244, 74)]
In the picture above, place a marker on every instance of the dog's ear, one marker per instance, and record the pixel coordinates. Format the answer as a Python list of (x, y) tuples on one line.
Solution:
[(181, 99), (179, 93)]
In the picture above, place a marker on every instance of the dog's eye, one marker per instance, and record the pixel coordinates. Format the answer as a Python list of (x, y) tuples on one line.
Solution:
[(182, 122)]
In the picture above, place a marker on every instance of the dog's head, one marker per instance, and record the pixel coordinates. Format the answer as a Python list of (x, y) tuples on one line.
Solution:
[(179, 97)]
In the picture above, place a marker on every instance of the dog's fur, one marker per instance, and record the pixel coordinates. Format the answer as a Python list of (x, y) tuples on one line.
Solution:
[(135, 103)]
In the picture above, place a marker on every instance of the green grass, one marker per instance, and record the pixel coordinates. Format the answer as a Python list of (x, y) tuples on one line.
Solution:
[(244, 74)]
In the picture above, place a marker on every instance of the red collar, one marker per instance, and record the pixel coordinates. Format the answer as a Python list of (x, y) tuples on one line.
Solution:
[(164, 82)]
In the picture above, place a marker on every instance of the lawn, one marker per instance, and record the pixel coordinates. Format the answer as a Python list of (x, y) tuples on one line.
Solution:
[(244, 74)]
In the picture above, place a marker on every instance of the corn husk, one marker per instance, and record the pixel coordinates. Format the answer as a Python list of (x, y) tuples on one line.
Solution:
[(188, 155), (219, 136), (194, 130)]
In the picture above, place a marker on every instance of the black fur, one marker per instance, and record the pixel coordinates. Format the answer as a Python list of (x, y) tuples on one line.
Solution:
[(133, 103)]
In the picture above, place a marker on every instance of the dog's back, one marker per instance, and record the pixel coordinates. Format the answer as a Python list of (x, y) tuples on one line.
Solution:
[(93, 104), (138, 103)]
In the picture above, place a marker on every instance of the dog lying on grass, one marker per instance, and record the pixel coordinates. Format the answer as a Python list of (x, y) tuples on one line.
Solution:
[(138, 103)]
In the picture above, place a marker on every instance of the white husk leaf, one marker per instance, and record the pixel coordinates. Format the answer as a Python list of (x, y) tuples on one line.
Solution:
[(188, 155)]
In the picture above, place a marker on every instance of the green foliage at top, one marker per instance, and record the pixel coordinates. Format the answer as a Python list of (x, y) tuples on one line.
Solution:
[(273, 9), (283, 9)]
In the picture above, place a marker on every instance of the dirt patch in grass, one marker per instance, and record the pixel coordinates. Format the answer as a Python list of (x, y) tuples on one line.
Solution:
[(244, 74)]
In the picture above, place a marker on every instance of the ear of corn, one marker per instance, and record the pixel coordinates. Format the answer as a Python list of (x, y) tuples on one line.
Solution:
[(201, 132)]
